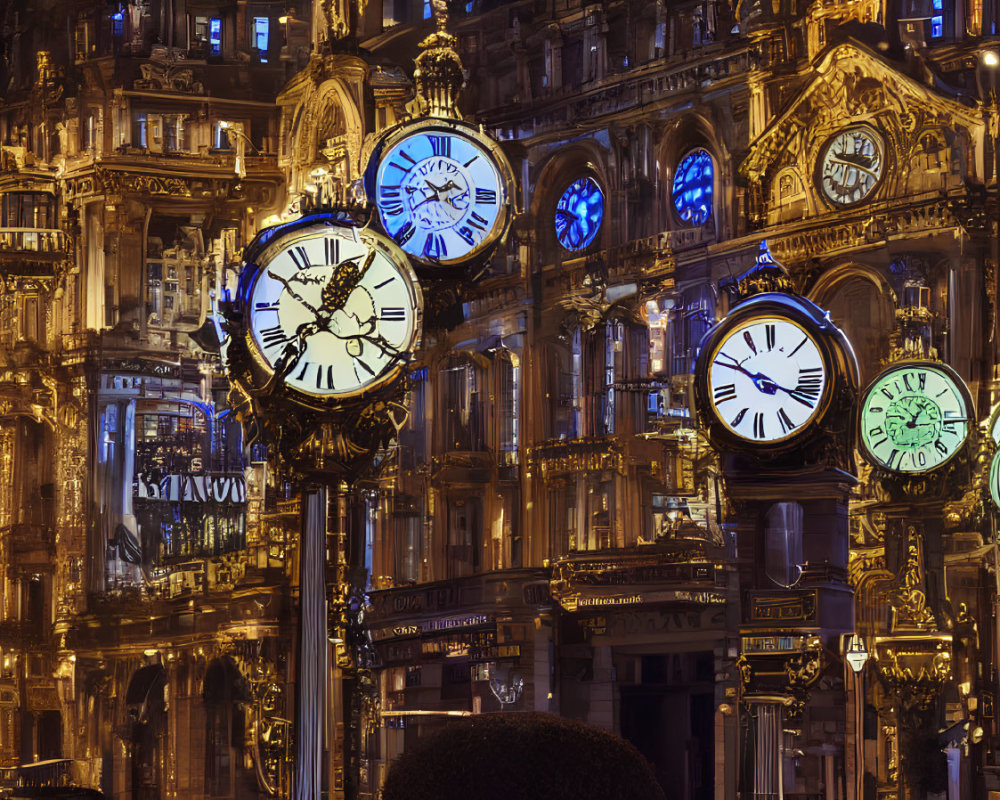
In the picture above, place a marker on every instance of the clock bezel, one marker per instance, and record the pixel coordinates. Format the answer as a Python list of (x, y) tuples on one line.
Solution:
[(261, 372), (824, 149), (901, 366), (838, 359), (743, 323), (493, 151)]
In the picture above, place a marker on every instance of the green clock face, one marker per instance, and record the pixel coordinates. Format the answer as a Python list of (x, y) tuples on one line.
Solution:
[(995, 479), (914, 418)]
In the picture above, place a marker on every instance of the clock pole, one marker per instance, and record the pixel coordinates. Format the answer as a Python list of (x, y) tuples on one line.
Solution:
[(326, 398)]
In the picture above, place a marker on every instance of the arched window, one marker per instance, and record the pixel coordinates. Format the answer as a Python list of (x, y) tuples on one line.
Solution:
[(692, 188), (145, 699), (579, 213)]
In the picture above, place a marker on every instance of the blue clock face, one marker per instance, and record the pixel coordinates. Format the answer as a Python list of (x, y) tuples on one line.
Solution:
[(579, 214), (440, 196), (692, 189)]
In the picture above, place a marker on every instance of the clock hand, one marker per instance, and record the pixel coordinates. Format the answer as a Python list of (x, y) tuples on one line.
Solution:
[(762, 382), (293, 293)]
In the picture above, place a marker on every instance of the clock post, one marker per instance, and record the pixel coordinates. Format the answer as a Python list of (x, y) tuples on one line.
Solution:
[(775, 386), (919, 438), (325, 320)]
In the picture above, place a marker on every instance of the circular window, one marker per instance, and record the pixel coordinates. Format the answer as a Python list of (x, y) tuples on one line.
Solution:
[(692, 189), (579, 214)]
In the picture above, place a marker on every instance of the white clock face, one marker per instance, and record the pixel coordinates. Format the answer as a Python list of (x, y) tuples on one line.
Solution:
[(767, 379), (440, 196), (333, 311), (851, 165), (913, 418)]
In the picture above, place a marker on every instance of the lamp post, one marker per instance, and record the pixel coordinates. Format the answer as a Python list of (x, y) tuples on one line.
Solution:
[(857, 656)]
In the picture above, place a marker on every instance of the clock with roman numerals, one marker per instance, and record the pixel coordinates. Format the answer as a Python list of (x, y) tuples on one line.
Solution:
[(767, 379), (915, 417), (332, 311), (442, 190)]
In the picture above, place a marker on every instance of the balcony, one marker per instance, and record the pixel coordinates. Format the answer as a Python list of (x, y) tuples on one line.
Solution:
[(35, 248)]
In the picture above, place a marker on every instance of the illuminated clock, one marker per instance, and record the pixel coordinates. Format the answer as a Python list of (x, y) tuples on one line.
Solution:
[(692, 188), (995, 479), (333, 311), (914, 417), (850, 165), (442, 190), (767, 379), (579, 213)]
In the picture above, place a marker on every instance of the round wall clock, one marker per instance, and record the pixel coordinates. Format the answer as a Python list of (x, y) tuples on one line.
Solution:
[(331, 311), (850, 165), (442, 190), (692, 188), (914, 417), (579, 213), (995, 479), (767, 379)]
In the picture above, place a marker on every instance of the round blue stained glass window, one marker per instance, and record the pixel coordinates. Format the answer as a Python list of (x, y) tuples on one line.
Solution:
[(692, 191), (579, 214)]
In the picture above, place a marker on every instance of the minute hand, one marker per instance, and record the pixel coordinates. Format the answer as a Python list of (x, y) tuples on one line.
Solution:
[(766, 385)]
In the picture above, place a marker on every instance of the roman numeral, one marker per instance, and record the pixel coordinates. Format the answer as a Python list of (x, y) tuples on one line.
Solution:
[(407, 156), (466, 233), (798, 346), (405, 233), (724, 393), (469, 163), (876, 431), (922, 381), (738, 418), (300, 257), (783, 419), (749, 340), (434, 247), (393, 314), (941, 447), (265, 306), (319, 376), (896, 456), (388, 192), (400, 167), (392, 209), (477, 221), (275, 335), (441, 145), (758, 425), (769, 336), (332, 247), (302, 372), (386, 282), (485, 195)]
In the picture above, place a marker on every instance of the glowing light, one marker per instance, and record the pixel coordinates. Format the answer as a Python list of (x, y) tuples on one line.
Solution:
[(692, 189), (991, 58), (579, 214)]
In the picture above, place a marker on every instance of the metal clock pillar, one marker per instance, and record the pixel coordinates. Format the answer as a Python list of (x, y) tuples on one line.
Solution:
[(326, 318)]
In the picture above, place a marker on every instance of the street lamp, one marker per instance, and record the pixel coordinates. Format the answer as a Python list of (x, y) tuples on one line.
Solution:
[(857, 656)]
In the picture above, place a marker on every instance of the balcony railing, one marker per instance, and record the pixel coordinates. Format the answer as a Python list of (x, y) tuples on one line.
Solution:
[(32, 240)]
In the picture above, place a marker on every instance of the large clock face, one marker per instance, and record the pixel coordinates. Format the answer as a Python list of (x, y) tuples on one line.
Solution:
[(767, 379), (335, 311), (914, 418), (851, 165), (579, 213), (441, 196), (995, 479)]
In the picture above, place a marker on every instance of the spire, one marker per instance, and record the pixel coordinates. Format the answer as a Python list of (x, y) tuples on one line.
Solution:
[(766, 275), (438, 74)]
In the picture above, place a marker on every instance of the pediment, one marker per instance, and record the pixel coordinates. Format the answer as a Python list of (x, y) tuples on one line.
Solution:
[(852, 85)]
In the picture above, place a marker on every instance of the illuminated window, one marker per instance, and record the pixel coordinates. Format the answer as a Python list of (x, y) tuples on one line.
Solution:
[(261, 36), (937, 21), (692, 189), (579, 213), (117, 24), (215, 37), (139, 129)]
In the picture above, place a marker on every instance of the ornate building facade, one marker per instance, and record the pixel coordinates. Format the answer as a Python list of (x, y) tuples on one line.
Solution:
[(558, 525)]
